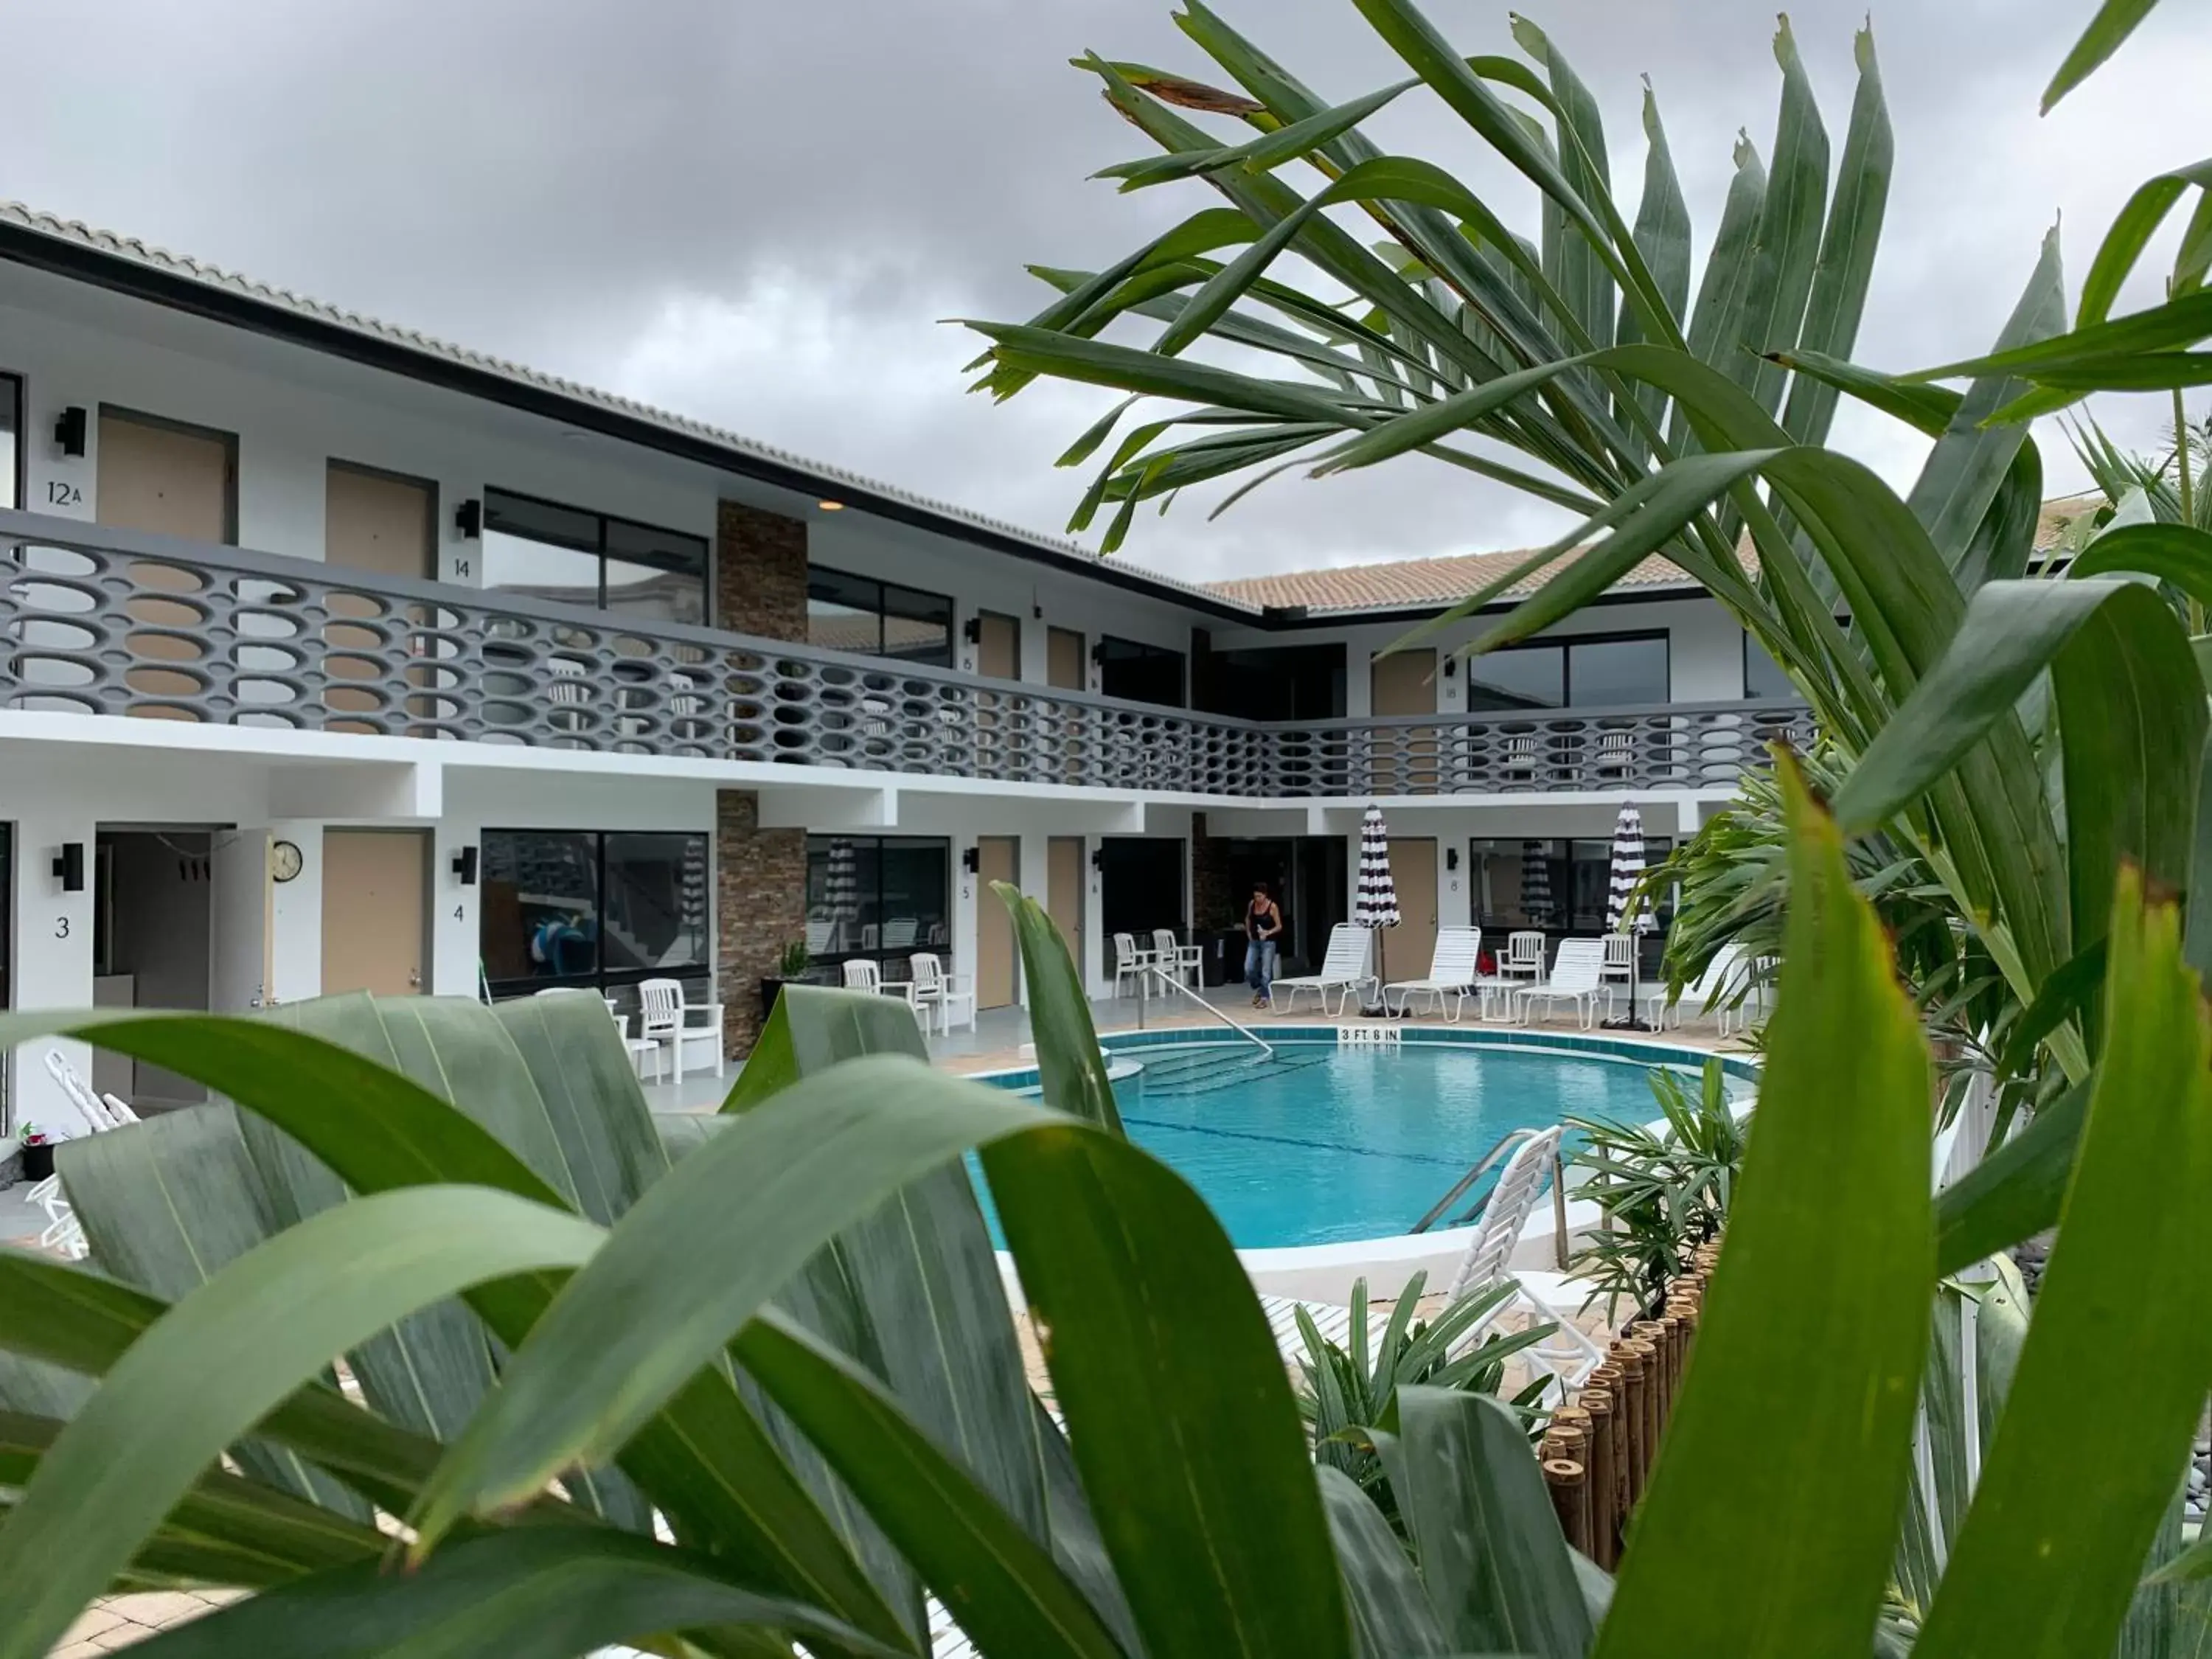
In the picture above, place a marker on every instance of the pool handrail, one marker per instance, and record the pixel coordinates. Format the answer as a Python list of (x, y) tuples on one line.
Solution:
[(1149, 970)]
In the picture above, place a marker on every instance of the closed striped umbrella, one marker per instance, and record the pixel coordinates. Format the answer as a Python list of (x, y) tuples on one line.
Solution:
[(1376, 906), (840, 890), (1627, 871), (1536, 882)]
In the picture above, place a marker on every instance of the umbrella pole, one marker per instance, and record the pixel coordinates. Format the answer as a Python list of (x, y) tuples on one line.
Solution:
[(1631, 1021)]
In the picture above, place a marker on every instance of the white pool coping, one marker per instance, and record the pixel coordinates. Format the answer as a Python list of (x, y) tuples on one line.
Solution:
[(1327, 1272)]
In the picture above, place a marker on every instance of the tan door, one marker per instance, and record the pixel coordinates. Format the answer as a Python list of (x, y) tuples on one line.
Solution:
[(382, 525), (1064, 891), (1404, 682), (1063, 659), (374, 910), (1001, 857), (176, 482), (1412, 942), (998, 653)]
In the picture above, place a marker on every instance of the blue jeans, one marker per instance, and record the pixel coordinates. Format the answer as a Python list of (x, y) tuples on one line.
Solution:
[(1260, 965)]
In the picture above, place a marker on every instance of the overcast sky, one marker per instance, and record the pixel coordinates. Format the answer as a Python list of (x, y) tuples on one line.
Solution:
[(756, 214)]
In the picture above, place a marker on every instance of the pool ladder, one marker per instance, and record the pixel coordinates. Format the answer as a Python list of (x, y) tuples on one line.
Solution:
[(1148, 971)]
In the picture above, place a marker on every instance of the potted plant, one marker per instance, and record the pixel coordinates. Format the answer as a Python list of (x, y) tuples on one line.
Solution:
[(38, 1152), (794, 964)]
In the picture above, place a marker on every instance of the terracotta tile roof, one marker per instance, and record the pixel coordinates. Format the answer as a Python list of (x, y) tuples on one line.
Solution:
[(1412, 584)]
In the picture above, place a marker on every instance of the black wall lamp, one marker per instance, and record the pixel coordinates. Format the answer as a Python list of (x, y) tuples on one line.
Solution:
[(1451, 666), (1451, 858), (465, 866), (70, 430), (1098, 858), (971, 860), (468, 518), (972, 630), (68, 866), (1098, 652)]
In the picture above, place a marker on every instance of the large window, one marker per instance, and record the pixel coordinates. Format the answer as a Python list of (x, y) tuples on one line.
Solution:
[(1560, 887), (1610, 671), (597, 909), (1762, 675), (845, 613), (1137, 672), (11, 441), (589, 559), (879, 896)]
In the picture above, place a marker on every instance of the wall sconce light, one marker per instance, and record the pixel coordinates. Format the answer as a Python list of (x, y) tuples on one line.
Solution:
[(468, 518), (972, 630), (68, 866), (971, 860), (464, 866), (1451, 667), (1451, 858), (70, 430), (1098, 652), (1098, 858)]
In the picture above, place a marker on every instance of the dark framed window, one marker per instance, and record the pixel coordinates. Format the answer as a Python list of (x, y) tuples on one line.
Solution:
[(1762, 675), (872, 618), (1137, 672), (1607, 671), (7, 986), (882, 897), (1560, 887), (594, 909), (11, 441), (593, 560)]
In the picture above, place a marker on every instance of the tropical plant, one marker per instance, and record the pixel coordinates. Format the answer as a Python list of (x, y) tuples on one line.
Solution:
[(795, 961), (1348, 1393), (782, 1331), (1660, 1193)]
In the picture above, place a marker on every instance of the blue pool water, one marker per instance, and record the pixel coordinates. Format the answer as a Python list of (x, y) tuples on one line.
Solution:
[(1326, 1144)]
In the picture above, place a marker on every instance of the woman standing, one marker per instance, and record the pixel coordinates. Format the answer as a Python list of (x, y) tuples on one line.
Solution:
[(1263, 925)]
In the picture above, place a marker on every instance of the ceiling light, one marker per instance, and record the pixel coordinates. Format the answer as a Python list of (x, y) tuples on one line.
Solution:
[(831, 506)]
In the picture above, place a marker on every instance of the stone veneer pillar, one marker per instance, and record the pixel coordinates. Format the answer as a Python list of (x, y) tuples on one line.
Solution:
[(760, 875), (760, 572), (1213, 907), (760, 906)]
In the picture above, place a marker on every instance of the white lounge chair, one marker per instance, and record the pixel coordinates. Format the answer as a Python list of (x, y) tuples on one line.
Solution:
[(1710, 991), (1343, 970), (1577, 976), (1571, 1354), (935, 988), (1184, 961), (664, 1018), (101, 1113), (1452, 973)]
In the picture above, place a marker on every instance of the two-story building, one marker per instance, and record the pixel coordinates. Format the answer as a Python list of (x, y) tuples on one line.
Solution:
[(332, 656)]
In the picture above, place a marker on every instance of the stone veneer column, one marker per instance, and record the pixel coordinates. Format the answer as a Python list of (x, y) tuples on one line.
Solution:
[(760, 875), (1213, 907), (760, 906), (760, 572)]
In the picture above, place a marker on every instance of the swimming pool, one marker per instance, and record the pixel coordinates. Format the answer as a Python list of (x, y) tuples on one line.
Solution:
[(1326, 1144)]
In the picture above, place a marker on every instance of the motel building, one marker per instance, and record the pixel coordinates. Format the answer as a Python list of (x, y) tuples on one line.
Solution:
[(333, 657)]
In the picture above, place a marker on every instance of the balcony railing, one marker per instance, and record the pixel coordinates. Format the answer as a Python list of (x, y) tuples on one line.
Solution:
[(113, 621)]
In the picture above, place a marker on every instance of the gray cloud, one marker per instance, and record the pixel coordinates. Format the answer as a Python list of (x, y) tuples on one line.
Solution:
[(758, 215)]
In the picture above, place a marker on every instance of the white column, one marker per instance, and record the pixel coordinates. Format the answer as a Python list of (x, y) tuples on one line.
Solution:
[(1037, 883), (969, 895), (51, 963), (296, 928), (455, 946)]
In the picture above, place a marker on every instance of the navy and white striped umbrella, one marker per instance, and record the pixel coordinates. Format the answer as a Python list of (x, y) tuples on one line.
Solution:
[(840, 890), (1377, 903), (1627, 871), (1536, 882)]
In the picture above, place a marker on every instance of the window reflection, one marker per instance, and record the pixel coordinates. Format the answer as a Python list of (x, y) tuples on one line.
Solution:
[(572, 556), (595, 910), (883, 897), (872, 618)]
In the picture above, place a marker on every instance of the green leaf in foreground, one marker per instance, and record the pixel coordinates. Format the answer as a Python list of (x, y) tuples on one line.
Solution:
[(2072, 1485), (530, 1593), (1769, 1525), (2115, 20), (247, 1340), (1070, 1067)]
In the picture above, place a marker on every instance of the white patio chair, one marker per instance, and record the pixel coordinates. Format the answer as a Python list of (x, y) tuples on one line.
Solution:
[(663, 1017), (1184, 961), (1524, 956), (1452, 973), (1570, 1354), (859, 974), (1576, 978), (899, 931), (935, 988), (1710, 993), (1130, 963), (1343, 970), (818, 935), (1619, 969)]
